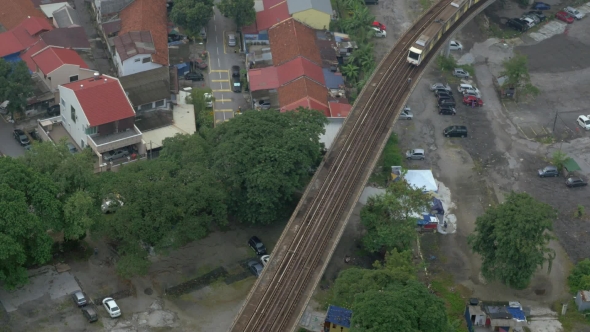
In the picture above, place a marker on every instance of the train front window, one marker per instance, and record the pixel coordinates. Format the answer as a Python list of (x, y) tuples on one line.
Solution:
[(414, 56)]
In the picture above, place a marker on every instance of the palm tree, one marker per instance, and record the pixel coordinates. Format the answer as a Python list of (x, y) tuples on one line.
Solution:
[(362, 16), (367, 61), (350, 71)]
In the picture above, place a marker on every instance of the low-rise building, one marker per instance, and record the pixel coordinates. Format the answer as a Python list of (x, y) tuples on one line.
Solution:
[(97, 113), (105, 9), (22, 37), (148, 90), (337, 319), (74, 38), (315, 13), (65, 17), (583, 300), (57, 66)]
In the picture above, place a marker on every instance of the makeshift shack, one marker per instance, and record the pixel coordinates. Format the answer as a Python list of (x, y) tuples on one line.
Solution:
[(419, 179)]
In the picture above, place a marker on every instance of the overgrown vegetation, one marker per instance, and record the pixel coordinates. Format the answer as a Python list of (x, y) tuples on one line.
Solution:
[(391, 156), (192, 15), (559, 159), (517, 76)]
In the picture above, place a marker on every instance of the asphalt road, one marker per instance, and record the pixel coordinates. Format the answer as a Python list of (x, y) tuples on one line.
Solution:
[(221, 58), (8, 145)]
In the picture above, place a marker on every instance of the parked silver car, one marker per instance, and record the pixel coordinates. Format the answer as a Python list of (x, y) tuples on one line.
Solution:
[(461, 73), (231, 40), (406, 114), (416, 154), (115, 154)]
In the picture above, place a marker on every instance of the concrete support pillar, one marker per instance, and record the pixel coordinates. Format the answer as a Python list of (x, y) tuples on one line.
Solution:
[(447, 50)]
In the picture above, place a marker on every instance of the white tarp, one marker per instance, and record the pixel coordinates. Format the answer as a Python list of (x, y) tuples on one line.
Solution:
[(48, 9), (421, 179)]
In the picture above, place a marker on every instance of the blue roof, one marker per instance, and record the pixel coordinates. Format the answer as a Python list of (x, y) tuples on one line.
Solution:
[(427, 218), (339, 316), (333, 80), (516, 313)]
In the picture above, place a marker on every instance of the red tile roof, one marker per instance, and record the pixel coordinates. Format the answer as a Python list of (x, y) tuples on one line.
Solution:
[(35, 25), (271, 16), (263, 78), (103, 100), (52, 58), (13, 12), (290, 39), (148, 15), (298, 67), (308, 103), (26, 56), (339, 110), (301, 88), (9, 44), (271, 3)]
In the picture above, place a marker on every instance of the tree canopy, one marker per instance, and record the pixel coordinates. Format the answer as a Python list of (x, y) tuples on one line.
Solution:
[(241, 11), (579, 279), (512, 239), (16, 85), (390, 218), (263, 158), (192, 15), (516, 71), (28, 208), (388, 297)]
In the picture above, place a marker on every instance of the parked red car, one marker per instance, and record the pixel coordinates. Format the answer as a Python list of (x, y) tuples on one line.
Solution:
[(379, 25), (468, 100), (563, 16)]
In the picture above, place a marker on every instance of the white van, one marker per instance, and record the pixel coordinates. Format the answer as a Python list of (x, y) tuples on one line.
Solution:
[(463, 87), (574, 12)]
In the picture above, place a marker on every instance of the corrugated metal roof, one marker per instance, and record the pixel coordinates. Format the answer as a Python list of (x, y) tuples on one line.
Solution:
[(333, 80), (66, 17), (48, 9), (147, 86), (296, 6), (339, 316)]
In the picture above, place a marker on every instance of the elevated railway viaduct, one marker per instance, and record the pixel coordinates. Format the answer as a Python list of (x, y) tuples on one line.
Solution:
[(281, 293)]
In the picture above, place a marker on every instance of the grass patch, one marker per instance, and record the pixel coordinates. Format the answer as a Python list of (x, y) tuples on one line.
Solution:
[(469, 68), (391, 156), (454, 296), (496, 31), (323, 296), (425, 4), (545, 139), (572, 318)]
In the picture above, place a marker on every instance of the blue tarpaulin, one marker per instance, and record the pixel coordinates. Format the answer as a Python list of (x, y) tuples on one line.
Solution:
[(182, 68), (333, 80), (339, 316)]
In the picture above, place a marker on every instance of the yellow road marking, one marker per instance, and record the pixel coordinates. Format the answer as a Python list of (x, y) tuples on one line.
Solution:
[(219, 80), (223, 100), (224, 51), (219, 71), (209, 61), (222, 90)]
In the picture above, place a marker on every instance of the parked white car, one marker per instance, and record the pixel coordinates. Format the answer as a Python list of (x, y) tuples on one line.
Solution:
[(584, 121), (111, 306), (455, 45), (379, 33), (406, 114), (574, 12), (473, 91), (464, 86), (264, 259), (437, 86), (208, 100)]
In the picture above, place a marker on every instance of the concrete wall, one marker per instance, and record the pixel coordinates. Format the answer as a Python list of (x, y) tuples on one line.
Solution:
[(62, 75), (134, 64), (314, 18), (75, 129)]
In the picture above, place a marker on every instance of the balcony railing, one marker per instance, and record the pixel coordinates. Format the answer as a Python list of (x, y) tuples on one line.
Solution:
[(105, 143)]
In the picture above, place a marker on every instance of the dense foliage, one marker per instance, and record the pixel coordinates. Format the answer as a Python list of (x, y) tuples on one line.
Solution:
[(390, 218), (389, 298), (512, 239), (192, 15), (241, 11), (16, 85), (264, 158), (516, 70), (579, 279)]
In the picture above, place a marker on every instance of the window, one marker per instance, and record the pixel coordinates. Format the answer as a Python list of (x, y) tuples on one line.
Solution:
[(137, 60), (73, 78), (160, 103), (73, 113), (91, 130), (145, 60), (63, 102)]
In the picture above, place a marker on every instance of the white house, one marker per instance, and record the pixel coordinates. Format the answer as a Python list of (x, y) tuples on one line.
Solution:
[(97, 113), (133, 52)]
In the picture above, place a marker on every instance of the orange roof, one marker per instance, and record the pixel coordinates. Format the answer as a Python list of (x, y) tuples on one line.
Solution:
[(103, 100), (303, 88), (13, 12), (290, 39), (339, 110), (298, 67), (263, 78), (307, 102), (53, 57), (148, 15)]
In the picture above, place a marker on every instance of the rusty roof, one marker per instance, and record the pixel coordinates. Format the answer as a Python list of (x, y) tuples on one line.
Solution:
[(148, 15), (13, 12), (290, 39), (133, 43)]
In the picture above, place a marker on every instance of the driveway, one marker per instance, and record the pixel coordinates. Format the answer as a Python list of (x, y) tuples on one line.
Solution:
[(8, 145), (221, 58)]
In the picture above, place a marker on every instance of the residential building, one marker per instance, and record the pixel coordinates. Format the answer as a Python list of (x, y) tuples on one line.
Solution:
[(502, 316), (97, 113), (15, 11), (57, 66), (142, 42), (583, 300), (49, 8), (337, 319), (65, 17), (21, 37), (74, 38), (304, 92), (315, 13), (148, 90), (106, 9), (290, 39)]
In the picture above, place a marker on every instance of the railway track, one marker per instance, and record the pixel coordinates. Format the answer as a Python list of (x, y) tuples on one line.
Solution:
[(276, 302)]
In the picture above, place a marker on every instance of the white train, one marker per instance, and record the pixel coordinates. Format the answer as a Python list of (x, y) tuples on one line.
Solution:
[(434, 32)]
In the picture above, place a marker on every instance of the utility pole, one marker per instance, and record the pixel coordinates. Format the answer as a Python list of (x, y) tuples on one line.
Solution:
[(554, 123)]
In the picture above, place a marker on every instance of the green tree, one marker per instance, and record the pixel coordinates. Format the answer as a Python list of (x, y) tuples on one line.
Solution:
[(390, 218), (446, 63), (79, 214), (203, 115), (15, 85), (579, 278), (559, 159), (28, 208), (263, 158), (241, 11), (399, 307), (512, 239), (192, 15), (351, 71), (517, 72)]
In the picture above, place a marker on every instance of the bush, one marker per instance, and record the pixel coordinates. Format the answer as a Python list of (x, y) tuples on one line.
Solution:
[(579, 279), (392, 155), (446, 63)]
